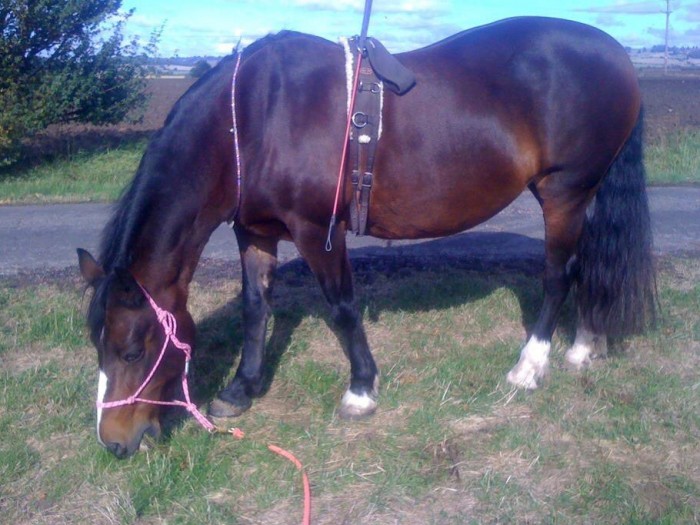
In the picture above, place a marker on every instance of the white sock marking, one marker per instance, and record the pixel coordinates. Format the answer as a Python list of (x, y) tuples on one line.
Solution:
[(532, 365), (586, 345), (361, 403), (578, 354), (101, 392)]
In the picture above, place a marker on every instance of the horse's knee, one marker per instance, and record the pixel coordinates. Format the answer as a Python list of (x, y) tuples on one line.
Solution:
[(557, 281), (345, 316)]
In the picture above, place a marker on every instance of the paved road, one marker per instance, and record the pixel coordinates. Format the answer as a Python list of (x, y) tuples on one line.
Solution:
[(44, 238)]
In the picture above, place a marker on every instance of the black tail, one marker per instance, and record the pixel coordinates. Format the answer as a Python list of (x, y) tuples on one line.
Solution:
[(616, 284)]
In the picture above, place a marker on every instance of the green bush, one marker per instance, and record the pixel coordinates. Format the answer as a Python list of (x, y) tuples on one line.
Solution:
[(199, 68), (66, 62)]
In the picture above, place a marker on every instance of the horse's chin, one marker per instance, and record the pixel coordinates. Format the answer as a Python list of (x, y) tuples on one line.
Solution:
[(149, 437), (143, 439)]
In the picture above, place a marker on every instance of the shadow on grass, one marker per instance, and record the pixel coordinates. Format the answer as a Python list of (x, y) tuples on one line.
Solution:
[(386, 279)]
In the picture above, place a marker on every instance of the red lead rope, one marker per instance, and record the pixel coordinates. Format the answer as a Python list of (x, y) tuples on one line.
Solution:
[(306, 518)]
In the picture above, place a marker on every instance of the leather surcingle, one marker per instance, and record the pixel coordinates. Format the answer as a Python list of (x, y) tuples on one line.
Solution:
[(380, 70)]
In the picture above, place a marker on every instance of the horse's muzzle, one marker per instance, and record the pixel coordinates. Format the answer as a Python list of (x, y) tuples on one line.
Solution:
[(123, 449)]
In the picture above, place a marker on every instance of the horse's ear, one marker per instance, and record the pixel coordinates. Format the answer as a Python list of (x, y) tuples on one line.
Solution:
[(128, 291), (89, 268)]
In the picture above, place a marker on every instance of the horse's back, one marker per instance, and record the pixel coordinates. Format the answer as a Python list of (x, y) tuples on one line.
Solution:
[(494, 109), (543, 74)]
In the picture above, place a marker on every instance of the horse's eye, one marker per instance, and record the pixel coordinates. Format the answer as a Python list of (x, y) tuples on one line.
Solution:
[(133, 355)]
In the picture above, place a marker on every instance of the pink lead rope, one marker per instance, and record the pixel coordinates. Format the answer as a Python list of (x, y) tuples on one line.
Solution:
[(169, 324)]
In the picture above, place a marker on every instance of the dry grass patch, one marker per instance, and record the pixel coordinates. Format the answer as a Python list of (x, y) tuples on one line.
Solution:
[(36, 355)]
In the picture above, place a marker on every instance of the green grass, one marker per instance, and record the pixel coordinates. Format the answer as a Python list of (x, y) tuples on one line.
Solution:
[(82, 177), (450, 443), (675, 159), (100, 176)]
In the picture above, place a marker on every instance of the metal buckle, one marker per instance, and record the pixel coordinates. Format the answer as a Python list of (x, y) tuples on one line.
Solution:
[(372, 87), (360, 119)]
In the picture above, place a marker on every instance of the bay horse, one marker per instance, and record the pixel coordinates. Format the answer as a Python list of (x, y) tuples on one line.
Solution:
[(545, 104)]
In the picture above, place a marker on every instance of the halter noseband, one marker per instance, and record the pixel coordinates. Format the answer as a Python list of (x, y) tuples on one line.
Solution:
[(169, 324)]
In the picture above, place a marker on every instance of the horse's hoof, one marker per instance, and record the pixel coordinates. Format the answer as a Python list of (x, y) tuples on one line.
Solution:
[(354, 406), (220, 408), (576, 362), (524, 375)]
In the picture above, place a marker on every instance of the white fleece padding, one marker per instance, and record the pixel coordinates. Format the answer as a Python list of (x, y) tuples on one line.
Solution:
[(349, 82)]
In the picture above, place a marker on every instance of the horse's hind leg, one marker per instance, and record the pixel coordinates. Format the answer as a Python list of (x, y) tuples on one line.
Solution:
[(564, 212), (587, 345), (333, 271), (258, 262)]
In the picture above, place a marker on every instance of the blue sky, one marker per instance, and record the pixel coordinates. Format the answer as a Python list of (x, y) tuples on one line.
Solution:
[(212, 27)]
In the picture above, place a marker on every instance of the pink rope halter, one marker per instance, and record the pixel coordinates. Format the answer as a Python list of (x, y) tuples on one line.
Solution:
[(169, 324)]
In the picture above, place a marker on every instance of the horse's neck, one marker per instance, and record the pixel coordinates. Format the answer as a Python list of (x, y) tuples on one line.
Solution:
[(170, 224), (167, 248)]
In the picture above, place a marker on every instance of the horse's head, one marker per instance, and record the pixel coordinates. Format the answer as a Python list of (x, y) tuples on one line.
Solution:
[(128, 337)]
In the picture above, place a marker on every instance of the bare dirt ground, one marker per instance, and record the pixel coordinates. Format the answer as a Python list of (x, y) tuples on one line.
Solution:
[(62, 140), (671, 104)]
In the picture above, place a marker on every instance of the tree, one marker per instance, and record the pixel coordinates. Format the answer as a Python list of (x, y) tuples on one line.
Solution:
[(199, 68), (66, 61)]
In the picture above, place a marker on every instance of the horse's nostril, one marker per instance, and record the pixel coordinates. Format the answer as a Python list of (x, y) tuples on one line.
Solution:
[(117, 449)]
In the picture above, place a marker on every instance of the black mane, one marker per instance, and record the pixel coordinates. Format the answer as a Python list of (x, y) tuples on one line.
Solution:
[(139, 200), (135, 205)]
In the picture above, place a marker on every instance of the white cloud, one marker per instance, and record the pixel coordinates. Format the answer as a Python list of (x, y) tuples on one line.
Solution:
[(411, 6), (622, 7), (608, 20), (690, 13), (331, 5), (688, 37), (379, 6)]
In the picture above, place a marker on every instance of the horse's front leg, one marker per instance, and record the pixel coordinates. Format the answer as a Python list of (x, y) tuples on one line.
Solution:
[(258, 262), (333, 271)]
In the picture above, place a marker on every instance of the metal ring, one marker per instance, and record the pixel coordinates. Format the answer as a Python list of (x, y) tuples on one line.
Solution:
[(359, 119)]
